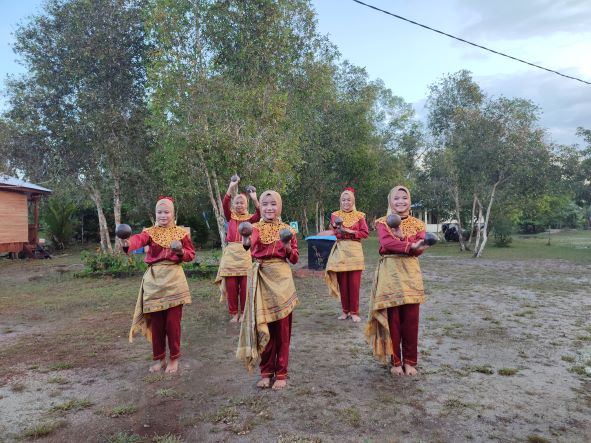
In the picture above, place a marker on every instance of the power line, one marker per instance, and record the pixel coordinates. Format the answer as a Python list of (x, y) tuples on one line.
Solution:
[(470, 43)]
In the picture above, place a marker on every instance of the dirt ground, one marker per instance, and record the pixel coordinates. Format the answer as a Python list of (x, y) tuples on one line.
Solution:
[(505, 355)]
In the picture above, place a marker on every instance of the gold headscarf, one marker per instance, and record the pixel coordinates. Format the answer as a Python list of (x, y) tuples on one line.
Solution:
[(235, 215), (352, 195), (391, 194), (164, 236), (277, 198)]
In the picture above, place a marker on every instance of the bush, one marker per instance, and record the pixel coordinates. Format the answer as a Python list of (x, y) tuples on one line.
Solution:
[(59, 221), (502, 230), (103, 263)]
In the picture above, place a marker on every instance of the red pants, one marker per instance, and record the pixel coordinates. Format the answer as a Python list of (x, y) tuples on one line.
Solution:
[(166, 324), (349, 283), (235, 286), (404, 327), (275, 357)]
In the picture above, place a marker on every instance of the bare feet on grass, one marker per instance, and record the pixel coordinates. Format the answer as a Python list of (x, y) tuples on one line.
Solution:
[(157, 367), (410, 370), (396, 371), (264, 383), (343, 316), (234, 319), (356, 318), (241, 318), (279, 385), (173, 366)]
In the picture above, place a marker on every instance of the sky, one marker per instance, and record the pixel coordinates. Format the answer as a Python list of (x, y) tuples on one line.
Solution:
[(553, 33)]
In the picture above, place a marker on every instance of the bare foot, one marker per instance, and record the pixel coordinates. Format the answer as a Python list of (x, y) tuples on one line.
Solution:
[(356, 318), (410, 370), (343, 316), (173, 366), (396, 370), (264, 383), (279, 385), (241, 318), (234, 318), (157, 367)]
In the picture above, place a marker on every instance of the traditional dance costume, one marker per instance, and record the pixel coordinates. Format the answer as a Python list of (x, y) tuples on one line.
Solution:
[(397, 292), (266, 330), (345, 262), (236, 262), (163, 291)]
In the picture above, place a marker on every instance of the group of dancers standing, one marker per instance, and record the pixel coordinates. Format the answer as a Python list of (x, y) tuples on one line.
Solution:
[(255, 278)]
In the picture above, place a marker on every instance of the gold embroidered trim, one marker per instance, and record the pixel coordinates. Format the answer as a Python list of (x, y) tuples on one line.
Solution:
[(240, 217), (269, 231), (409, 226), (165, 236), (349, 218)]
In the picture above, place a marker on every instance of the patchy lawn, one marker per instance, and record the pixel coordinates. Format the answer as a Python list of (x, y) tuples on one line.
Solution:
[(505, 355)]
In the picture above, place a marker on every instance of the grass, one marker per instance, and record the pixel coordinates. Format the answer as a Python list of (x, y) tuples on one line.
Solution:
[(168, 438), (73, 405), (124, 437), (42, 429), (351, 416), (568, 358), (485, 369), (167, 393), (57, 380), (119, 411), (507, 372), (62, 366)]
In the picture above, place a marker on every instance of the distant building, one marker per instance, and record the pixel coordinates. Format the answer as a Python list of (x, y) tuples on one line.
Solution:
[(19, 212)]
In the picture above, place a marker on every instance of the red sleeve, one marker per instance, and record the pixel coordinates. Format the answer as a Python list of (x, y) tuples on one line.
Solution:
[(227, 205), (389, 243), (414, 238), (138, 241), (254, 238), (256, 216), (362, 231), (295, 253), (188, 249)]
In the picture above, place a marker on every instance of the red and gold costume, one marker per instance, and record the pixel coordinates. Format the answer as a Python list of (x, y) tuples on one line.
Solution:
[(397, 291), (164, 289), (236, 262), (346, 262), (266, 330)]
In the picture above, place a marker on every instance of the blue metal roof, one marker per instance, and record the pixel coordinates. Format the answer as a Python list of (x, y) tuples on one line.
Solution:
[(8, 181)]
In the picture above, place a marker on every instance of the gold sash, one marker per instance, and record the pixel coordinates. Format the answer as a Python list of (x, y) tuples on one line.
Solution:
[(163, 286), (397, 281), (345, 255), (271, 297), (235, 262)]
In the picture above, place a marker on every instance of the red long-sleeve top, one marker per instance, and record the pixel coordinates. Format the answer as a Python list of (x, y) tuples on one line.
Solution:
[(261, 251), (157, 253), (390, 244), (360, 228), (233, 235)]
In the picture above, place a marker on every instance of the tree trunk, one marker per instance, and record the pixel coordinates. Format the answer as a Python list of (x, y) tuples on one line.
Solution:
[(317, 220), (456, 197), (478, 230), (216, 204), (95, 195), (474, 198), (305, 223), (117, 209), (478, 251)]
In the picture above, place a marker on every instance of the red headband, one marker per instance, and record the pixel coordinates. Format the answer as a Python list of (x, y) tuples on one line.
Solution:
[(162, 197), (350, 190)]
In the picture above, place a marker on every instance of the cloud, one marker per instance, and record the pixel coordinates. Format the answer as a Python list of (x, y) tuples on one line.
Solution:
[(523, 18), (564, 104)]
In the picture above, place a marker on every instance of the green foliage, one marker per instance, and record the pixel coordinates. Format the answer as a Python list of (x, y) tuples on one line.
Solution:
[(502, 229), (58, 218), (102, 263)]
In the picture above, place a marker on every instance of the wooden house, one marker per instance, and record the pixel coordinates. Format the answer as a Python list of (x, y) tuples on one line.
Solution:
[(19, 214)]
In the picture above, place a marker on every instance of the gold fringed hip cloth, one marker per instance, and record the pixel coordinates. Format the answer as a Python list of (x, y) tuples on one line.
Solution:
[(236, 261), (163, 286), (271, 297), (345, 255), (397, 281)]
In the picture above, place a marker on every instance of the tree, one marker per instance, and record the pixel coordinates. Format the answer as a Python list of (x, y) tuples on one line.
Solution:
[(80, 109)]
